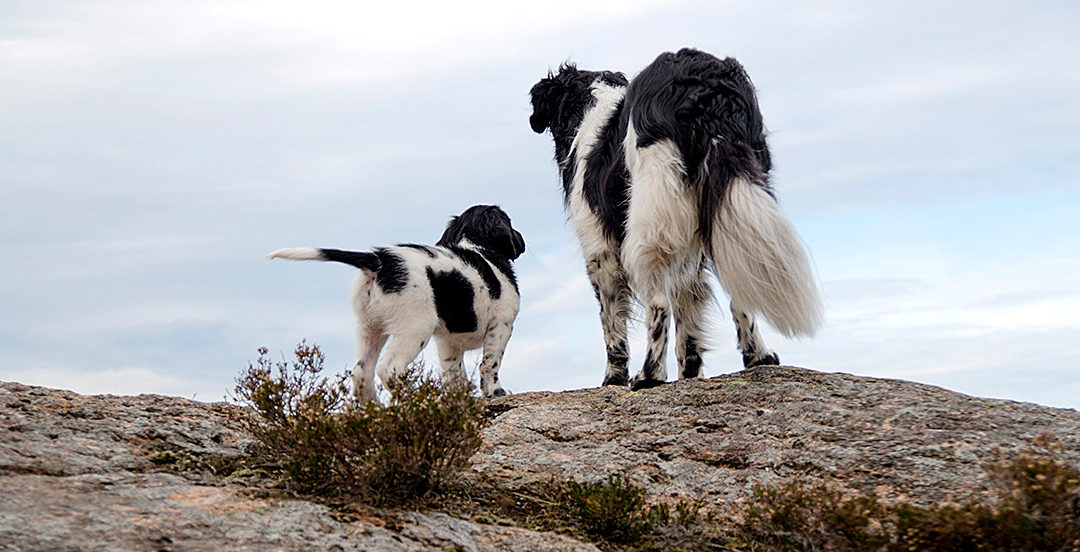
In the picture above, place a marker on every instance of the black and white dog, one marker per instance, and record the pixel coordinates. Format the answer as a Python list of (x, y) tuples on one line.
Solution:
[(666, 177), (462, 291)]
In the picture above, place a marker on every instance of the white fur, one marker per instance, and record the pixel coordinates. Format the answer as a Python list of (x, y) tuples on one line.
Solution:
[(297, 254), (586, 225), (661, 228), (761, 262)]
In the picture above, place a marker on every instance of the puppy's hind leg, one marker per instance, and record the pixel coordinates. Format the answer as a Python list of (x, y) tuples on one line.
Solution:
[(370, 341), (400, 352), (370, 338)]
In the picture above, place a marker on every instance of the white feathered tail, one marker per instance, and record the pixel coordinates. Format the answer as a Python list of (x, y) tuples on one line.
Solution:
[(761, 262)]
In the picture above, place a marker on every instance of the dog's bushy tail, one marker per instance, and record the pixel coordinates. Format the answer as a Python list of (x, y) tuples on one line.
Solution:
[(759, 258), (359, 259), (761, 262)]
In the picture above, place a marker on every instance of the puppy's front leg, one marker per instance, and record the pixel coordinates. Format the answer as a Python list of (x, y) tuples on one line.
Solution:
[(494, 346), (450, 359)]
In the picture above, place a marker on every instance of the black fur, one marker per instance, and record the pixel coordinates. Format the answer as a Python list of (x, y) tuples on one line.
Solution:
[(453, 300), (691, 365), (393, 276), (366, 261), (486, 226), (560, 102), (476, 260), (606, 185)]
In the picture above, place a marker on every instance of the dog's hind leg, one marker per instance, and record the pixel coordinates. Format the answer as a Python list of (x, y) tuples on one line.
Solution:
[(609, 282), (691, 300), (370, 341), (754, 351), (453, 375), (654, 372), (494, 347), (661, 240)]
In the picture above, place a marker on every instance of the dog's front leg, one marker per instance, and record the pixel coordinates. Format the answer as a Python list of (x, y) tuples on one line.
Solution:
[(494, 345), (612, 291), (450, 357)]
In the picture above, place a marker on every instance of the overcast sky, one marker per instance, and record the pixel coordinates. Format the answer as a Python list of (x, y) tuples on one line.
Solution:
[(152, 152)]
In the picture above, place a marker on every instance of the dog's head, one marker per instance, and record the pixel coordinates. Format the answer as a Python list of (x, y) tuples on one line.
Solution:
[(487, 226), (560, 101)]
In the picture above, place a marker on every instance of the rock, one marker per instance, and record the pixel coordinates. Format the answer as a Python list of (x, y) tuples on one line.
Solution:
[(717, 438), (78, 473), (138, 473)]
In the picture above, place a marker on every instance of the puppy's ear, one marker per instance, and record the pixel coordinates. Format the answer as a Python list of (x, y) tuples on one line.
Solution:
[(519, 243)]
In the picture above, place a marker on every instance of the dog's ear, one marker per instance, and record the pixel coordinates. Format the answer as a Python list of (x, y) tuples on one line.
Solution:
[(614, 78), (545, 101), (548, 95)]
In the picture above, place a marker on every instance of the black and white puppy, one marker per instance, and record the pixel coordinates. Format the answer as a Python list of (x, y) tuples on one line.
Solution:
[(462, 291), (666, 177)]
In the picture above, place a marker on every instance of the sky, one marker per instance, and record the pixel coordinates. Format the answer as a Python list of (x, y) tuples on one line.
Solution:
[(152, 152)]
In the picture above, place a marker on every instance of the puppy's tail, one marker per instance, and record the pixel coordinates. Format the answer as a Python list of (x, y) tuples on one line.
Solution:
[(361, 260)]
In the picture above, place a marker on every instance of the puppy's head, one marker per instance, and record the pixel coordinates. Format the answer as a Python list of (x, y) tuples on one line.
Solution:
[(487, 226), (560, 101)]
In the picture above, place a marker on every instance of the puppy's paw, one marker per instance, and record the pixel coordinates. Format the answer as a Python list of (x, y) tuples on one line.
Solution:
[(499, 392)]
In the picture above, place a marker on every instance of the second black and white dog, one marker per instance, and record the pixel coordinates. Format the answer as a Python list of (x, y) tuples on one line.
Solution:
[(462, 292), (666, 177)]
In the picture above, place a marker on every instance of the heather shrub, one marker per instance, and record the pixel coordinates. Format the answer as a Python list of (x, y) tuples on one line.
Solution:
[(326, 444)]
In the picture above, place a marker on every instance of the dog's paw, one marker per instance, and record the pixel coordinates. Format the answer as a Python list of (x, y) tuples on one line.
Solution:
[(771, 359), (642, 383), (499, 392), (620, 380)]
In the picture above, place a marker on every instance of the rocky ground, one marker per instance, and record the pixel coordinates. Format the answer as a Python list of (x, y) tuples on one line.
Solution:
[(147, 473)]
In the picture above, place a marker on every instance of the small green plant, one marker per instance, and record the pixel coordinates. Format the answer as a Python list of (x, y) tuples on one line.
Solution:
[(326, 444), (614, 510), (797, 517), (1036, 509)]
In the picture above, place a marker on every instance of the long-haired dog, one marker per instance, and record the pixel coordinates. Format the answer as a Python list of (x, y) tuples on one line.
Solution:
[(666, 177), (462, 292)]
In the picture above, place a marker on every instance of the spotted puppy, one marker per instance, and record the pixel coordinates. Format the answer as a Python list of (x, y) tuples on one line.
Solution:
[(462, 291)]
